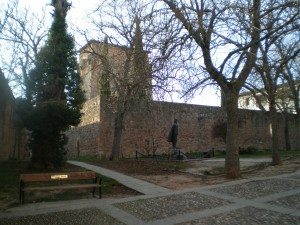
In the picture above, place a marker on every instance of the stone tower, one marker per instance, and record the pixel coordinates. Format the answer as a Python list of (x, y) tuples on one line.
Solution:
[(117, 59)]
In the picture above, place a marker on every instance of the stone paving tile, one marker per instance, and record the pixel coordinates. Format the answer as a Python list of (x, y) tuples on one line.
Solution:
[(294, 177), (292, 202), (166, 206), (89, 216), (255, 189), (247, 216)]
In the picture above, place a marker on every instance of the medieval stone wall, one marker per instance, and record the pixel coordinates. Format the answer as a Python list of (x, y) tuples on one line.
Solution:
[(147, 125), (83, 141), (12, 139), (90, 112)]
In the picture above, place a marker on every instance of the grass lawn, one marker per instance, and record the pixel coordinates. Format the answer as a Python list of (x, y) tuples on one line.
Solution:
[(149, 167), (261, 154), (199, 155), (9, 188)]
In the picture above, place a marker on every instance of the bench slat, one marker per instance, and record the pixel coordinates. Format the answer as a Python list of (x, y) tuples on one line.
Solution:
[(62, 187), (57, 176)]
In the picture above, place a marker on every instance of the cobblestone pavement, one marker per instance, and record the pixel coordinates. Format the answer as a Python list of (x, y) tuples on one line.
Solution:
[(271, 200)]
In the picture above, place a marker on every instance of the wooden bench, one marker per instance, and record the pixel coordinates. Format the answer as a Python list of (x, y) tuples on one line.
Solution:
[(63, 176)]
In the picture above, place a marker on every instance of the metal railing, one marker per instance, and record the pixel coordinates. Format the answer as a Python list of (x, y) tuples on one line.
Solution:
[(177, 154)]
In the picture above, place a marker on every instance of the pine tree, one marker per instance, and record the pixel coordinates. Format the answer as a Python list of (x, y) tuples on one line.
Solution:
[(56, 92)]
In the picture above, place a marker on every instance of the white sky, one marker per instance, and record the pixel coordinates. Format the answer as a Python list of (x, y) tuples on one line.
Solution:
[(77, 16)]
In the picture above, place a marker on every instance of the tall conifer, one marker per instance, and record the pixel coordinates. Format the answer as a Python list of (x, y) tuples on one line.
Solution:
[(140, 68), (56, 92), (104, 81)]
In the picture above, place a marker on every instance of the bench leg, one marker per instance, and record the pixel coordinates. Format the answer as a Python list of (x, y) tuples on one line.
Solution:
[(21, 197), (98, 180), (95, 182), (100, 188), (21, 193)]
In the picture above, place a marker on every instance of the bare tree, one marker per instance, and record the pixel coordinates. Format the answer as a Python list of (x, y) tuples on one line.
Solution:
[(125, 76), (234, 26), (214, 27), (276, 52), (22, 35), (291, 69), (5, 11), (289, 52)]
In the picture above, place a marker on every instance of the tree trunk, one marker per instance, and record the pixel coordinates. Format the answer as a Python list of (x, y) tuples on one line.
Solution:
[(286, 132), (232, 162), (116, 148), (274, 134)]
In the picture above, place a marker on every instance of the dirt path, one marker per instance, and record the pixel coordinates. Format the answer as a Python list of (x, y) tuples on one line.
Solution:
[(208, 172)]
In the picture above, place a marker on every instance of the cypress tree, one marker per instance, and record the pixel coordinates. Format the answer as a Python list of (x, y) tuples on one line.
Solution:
[(104, 81), (56, 95), (140, 66)]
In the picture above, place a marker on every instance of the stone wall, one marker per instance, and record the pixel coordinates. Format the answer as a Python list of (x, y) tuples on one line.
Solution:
[(90, 112), (147, 125), (12, 140), (84, 141)]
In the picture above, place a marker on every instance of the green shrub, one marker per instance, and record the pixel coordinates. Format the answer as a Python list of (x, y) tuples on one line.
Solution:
[(248, 150)]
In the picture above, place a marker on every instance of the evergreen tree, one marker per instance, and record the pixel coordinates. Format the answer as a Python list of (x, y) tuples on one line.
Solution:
[(55, 87), (140, 66), (104, 83)]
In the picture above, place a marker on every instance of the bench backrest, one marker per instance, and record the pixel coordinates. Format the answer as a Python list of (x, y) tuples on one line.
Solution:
[(57, 176)]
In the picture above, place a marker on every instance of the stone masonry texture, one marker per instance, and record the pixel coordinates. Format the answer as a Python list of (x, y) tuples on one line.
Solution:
[(147, 124), (12, 139)]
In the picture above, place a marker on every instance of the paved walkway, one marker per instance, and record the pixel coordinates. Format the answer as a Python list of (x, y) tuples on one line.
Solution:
[(133, 183), (264, 201)]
